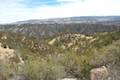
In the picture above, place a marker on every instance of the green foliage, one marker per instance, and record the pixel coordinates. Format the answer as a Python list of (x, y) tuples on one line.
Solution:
[(51, 62), (42, 69)]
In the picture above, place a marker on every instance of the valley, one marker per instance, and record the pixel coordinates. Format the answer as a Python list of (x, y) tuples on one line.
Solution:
[(59, 49)]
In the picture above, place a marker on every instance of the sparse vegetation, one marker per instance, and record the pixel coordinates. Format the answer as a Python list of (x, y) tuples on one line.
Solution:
[(70, 55)]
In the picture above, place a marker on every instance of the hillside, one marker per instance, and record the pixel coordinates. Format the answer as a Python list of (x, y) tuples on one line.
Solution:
[(64, 55), (76, 48), (50, 27), (46, 30)]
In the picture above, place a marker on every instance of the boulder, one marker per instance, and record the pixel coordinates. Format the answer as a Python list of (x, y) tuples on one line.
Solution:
[(9, 55), (6, 54), (99, 73)]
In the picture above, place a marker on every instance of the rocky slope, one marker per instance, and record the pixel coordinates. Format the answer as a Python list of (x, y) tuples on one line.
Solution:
[(46, 30), (65, 55), (50, 27)]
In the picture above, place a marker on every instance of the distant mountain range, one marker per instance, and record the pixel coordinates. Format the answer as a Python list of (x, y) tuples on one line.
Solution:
[(50, 27), (84, 19)]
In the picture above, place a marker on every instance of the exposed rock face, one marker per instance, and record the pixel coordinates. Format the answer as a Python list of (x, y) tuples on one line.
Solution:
[(99, 73), (6, 54)]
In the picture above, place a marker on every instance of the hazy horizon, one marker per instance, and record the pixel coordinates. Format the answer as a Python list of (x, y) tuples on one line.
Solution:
[(19, 10)]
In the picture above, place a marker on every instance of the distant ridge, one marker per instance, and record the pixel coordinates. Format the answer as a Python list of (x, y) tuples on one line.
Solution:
[(49, 27), (83, 19)]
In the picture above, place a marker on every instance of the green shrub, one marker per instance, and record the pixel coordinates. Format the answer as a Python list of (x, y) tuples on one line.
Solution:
[(41, 69)]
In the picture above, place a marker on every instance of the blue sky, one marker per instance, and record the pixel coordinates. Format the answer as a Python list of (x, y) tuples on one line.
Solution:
[(36, 3), (18, 10)]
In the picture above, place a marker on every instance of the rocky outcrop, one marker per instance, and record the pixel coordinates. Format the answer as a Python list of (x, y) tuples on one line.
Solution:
[(6, 54), (99, 73), (9, 55)]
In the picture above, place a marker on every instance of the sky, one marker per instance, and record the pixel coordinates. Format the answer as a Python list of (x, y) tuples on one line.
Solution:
[(18, 10)]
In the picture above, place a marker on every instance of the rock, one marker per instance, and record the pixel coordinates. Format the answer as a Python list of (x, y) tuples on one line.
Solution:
[(92, 40), (68, 79), (76, 48), (70, 44), (52, 42), (99, 73), (82, 36), (4, 37), (9, 55), (6, 53), (23, 38), (89, 37)]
